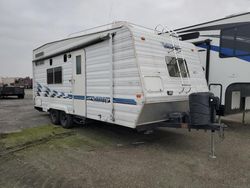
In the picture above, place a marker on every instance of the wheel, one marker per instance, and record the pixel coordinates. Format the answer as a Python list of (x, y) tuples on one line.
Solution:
[(66, 120), (20, 96), (54, 117)]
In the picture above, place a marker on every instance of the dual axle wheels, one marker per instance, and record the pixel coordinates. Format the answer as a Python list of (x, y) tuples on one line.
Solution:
[(61, 118)]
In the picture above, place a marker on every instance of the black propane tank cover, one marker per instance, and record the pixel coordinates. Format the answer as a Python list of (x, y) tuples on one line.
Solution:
[(200, 111)]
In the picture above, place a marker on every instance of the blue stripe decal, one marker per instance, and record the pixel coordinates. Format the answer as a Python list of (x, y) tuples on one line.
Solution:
[(226, 51), (124, 101), (79, 97)]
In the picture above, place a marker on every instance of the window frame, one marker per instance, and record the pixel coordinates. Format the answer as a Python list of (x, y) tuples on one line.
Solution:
[(61, 76), (184, 64), (236, 41), (236, 28), (50, 71), (78, 68), (54, 77)]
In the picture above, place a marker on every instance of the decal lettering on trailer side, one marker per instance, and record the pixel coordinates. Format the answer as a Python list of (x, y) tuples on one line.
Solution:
[(44, 91)]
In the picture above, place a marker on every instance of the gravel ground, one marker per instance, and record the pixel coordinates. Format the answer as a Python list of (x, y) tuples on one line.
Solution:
[(100, 155), (17, 114)]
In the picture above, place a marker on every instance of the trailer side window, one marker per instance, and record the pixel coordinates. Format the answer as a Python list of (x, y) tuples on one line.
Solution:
[(50, 76), (54, 75), (172, 66), (78, 64), (58, 75), (235, 41), (242, 40), (227, 42)]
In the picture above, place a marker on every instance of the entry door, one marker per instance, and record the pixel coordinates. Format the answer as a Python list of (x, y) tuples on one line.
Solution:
[(79, 83)]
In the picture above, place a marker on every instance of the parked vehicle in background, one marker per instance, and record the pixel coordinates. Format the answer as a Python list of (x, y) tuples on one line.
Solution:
[(7, 91), (224, 50)]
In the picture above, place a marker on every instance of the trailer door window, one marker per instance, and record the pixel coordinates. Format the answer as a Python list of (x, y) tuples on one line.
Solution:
[(54, 75), (78, 64), (172, 66)]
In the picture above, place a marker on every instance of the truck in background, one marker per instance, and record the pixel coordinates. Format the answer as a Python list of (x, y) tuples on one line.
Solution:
[(8, 90), (8, 87)]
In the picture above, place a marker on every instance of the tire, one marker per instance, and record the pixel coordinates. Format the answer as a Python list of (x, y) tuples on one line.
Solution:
[(66, 120), (55, 117)]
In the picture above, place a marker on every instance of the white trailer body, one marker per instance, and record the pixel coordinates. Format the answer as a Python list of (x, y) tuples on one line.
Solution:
[(124, 75), (224, 51)]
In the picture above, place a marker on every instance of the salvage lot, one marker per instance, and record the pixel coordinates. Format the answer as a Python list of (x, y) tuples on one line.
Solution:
[(100, 155)]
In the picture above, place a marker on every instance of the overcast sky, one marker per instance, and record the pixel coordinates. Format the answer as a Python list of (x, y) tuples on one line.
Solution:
[(27, 24)]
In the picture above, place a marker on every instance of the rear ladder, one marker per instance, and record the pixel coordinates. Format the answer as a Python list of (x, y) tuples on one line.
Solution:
[(177, 49)]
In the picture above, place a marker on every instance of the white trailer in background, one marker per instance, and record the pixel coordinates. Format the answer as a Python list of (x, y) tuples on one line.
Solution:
[(224, 51), (125, 75)]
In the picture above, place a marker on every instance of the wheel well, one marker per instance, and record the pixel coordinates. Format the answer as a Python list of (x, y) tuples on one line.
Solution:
[(59, 108)]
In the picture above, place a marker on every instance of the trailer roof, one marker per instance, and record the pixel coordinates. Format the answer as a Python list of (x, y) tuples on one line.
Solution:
[(225, 18), (96, 30), (69, 38)]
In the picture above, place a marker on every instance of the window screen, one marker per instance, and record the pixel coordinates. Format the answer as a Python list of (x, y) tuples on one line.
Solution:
[(78, 64), (172, 66), (54, 75), (50, 76)]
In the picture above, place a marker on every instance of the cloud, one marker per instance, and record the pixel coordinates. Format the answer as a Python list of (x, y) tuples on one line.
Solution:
[(27, 24)]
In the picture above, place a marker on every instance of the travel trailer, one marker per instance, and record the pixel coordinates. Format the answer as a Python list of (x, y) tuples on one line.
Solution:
[(125, 75), (224, 50)]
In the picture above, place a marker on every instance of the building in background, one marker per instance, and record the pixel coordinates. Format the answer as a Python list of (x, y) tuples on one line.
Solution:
[(25, 82), (7, 80), (16, 81)]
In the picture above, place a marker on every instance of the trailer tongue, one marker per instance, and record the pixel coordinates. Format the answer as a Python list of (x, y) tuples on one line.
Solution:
[(202, 115)]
